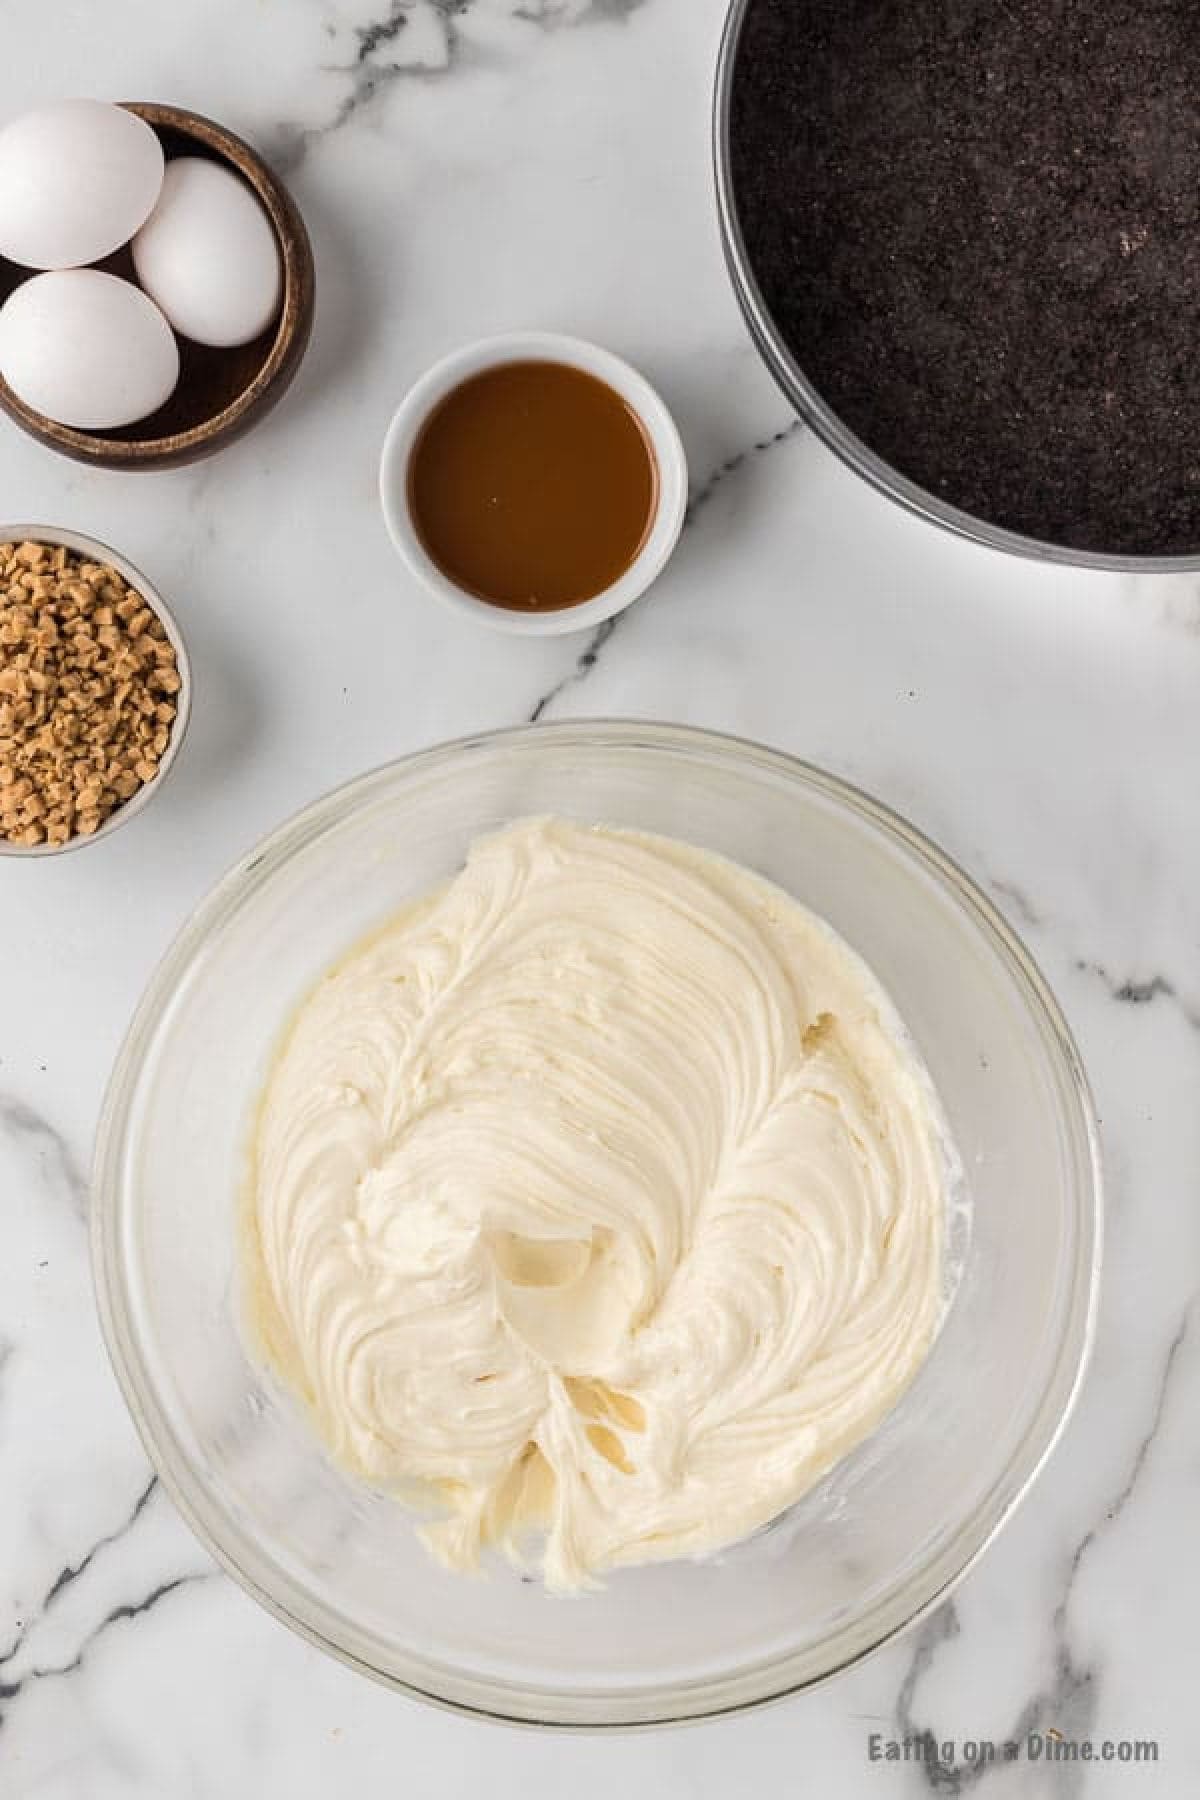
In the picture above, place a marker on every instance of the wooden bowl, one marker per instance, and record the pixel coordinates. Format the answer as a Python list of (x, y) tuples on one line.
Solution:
[(221, 393)]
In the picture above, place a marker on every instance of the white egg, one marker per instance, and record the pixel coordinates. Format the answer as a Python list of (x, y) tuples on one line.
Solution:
[(209, 256), (77, 178), (87, 349)]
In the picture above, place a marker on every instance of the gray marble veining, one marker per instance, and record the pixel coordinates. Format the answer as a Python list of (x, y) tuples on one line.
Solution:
[(470, 166)]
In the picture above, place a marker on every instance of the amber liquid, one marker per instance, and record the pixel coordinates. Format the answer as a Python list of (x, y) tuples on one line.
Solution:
[(533, 486)]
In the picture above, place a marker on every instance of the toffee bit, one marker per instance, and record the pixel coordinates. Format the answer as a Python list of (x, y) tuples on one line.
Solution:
[(84, 662)]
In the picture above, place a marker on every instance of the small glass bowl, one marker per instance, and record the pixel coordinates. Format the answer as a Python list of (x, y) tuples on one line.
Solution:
[(95, 551), (887, 1532)]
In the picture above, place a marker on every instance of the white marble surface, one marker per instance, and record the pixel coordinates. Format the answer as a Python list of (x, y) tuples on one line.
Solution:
[(467, 166)]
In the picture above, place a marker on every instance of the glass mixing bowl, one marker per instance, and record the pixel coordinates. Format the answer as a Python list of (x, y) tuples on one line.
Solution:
[(864, 1554)]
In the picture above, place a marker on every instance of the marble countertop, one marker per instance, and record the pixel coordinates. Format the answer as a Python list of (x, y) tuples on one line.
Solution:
[(469, 166)]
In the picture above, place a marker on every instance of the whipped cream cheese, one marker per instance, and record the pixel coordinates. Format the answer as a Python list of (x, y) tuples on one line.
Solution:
[(597, 1203)]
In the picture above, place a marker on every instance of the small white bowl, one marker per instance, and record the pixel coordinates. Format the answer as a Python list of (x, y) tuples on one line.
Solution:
[(535, 346), (94, 551)]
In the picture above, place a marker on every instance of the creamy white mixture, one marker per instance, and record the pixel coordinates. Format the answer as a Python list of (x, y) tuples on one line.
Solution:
[(598, 1202)]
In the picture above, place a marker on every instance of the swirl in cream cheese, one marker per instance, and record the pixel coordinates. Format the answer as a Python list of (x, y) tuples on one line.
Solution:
[(598, 1201)]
